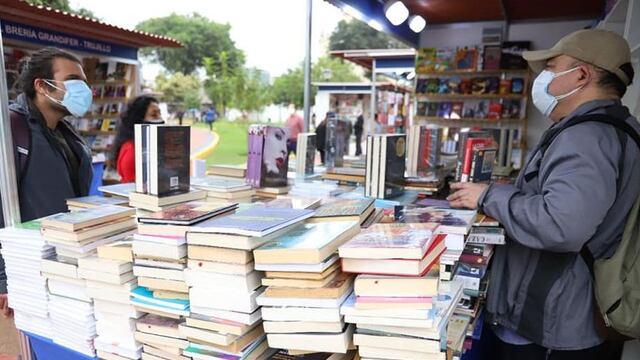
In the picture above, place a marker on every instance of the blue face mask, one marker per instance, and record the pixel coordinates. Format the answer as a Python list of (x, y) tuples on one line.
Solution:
[(77, 96)]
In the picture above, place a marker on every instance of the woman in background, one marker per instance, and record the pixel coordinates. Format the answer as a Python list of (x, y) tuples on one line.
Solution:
[(141, 110)]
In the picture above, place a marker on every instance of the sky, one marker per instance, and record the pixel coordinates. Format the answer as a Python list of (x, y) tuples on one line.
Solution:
[(270, 32)]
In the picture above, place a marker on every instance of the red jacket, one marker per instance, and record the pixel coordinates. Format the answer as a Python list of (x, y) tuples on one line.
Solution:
[(126, 164)]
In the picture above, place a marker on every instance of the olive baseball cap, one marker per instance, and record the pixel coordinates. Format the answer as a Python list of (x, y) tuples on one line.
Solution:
[(601, 48)]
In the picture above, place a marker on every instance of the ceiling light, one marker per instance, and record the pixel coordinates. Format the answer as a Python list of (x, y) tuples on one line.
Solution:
[(352, 12), (411, 75), (396, 12), (417, 23), (374, 24)]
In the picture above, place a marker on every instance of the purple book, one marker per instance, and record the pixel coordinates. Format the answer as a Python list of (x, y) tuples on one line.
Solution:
[(274, 160), (257, 222)]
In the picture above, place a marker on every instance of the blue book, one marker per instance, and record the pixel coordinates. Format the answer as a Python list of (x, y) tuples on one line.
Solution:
[(143, 295), (256, 222)]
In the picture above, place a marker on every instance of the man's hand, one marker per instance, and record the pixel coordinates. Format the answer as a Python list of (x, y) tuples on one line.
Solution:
[(467, 195), (6, 311)]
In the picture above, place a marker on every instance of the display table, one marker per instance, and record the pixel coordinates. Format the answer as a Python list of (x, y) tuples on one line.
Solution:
[(45, 349)]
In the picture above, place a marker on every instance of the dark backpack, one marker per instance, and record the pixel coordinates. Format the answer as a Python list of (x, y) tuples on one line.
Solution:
[(21, 142), (616, 280)]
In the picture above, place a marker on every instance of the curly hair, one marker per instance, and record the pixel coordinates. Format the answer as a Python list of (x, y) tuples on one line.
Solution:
[(133, 114)]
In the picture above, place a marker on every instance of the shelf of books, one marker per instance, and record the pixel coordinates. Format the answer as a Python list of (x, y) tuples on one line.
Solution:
[(112, 86), (475, 88)]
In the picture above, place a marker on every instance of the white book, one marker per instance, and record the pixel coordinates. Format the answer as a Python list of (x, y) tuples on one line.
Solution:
[(333, 343), (110, 295), (113, 267), (386, 341), (292, 327), (263, 300), (124, 339), (349, 308), (238, 317), (69, 290), (222, 300), (397, 322), (300, 314), (159, 251), (164, 240), (107, 278), (108, 307), (160, 264), (313, 268), (221, 268), (392, 354), (236, 284), (156, 273), (52, 266)]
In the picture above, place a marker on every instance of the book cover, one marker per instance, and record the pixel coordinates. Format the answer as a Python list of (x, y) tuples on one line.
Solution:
[(335, 143), (444, 110), (310, 154), (395, 166), (170, 148), (482, 164), (390, 241), (456, 110), (491, 57), (355, 207), (120, 190), (210, 183), (511, 57), (447, 218), (85, 218), (255, 221), (186, 214), (145, 295), (470, 146), (275, 160), (467, 58), (94, 201), (426, 60), (445, 58), (432, 109)]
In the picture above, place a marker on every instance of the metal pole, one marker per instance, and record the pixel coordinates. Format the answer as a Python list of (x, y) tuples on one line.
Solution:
[(373, 104), (8, 187), (307, 70)]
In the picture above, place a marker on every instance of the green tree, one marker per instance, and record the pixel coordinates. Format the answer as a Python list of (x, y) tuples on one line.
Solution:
[(201, 38), (222, 81), (64, 6), (252, 90), (181, 91), (354, 34), (289, 87)]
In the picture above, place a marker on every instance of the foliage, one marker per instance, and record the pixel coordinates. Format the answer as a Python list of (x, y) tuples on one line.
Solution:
[(182, 91), (64, 6), (201, 38), (222, 81), (289, 87), (354, 34), (252, 90)]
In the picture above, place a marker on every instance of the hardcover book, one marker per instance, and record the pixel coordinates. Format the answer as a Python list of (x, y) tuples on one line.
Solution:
[(390, 241), (187, 214), (75, 221), (169, 151), (354, 209), (449, 220), (393, 164), (267, 161)]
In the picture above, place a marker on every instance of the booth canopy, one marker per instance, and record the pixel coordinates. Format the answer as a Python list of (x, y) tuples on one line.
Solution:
[(458, 11), (55, 21)]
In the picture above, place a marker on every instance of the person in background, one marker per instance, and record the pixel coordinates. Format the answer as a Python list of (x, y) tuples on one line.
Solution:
[(571, 199), (358, 128), (55, 163), (295, 124), (180, 116), (141, 110), (313, 121), (321, 137), (210, 117)]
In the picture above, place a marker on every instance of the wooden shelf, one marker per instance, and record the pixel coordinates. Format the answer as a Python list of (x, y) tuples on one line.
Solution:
[(468, 96), (474, 72), (470, 122)]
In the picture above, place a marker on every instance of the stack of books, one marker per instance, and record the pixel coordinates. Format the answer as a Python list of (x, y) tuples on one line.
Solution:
[(160, 246), (224, 189), (345, 210), (73, 324), (235, 171), (155, 203), (400, 310), (23, 250), (109, 282), (384, 176), (226, 321), (305, 288), (158, 330)]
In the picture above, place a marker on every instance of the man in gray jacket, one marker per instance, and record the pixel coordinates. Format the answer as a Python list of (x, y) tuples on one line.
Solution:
[(54, 163), (577, 194)]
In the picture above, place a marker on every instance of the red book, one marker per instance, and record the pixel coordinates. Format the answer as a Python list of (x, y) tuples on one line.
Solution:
[(471, 145)]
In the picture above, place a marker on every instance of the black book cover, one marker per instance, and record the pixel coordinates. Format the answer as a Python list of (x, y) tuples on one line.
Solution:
[(173, 144), (395, 166), (512, 54), (311, 155)]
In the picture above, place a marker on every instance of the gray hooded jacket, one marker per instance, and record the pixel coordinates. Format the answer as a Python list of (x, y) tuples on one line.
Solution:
[(540, 287)]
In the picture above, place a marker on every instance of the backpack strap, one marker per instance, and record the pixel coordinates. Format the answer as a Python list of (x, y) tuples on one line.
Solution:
[(21, 141)]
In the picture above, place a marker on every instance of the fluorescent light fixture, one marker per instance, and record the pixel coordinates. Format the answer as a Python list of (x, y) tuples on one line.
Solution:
[(352, 12), (396, 12), (417, 23), (374, 24)]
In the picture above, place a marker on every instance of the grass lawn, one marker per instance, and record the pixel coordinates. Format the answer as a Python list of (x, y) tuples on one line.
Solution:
[(232, 148)]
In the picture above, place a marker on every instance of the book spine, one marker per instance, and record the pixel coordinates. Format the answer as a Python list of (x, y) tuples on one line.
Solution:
[(259, 154), (139, 156), (475, 162), (466, 161), (367, 174), (153, 160), (382, 180)]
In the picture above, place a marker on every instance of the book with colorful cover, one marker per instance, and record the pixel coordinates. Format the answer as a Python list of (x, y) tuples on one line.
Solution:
[(255, 221), (169, 160), (73, 221), (426, 60), (186, 214), (144, 296), (390, 241), (307, 243), (450, 221), (445, 58)]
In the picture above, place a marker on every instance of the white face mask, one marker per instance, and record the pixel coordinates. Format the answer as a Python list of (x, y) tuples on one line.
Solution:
[(544, 101)]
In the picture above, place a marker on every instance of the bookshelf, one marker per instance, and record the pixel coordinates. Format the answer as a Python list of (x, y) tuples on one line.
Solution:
[(492, 99)]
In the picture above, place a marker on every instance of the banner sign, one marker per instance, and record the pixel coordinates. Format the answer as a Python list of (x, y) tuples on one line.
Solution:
[(35, 35)]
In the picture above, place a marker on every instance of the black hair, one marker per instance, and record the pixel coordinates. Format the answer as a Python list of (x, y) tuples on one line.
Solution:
[(133, 114), (611, 81), (40, 66)]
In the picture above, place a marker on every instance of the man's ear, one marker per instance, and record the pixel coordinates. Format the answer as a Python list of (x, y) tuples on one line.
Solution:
[(585, 74), (40, 86)]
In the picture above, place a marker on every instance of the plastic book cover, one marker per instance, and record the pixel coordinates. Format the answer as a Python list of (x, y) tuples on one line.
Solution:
[(309, 236), (393, 236), (275, 159), (396, 150), (256, 219), (441, 215), (353, 207), (172, 163)]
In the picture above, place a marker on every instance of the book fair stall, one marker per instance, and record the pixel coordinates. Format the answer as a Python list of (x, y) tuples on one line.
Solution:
[(279, 258)]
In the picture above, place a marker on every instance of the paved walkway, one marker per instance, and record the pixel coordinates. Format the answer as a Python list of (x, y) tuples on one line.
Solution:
[(203, 142)]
